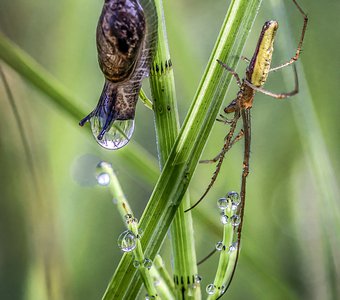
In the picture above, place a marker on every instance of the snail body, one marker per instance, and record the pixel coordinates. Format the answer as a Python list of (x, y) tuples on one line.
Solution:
[(126, 39)]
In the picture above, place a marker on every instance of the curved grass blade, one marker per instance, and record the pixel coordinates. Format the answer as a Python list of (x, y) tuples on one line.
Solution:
[(135, 157)]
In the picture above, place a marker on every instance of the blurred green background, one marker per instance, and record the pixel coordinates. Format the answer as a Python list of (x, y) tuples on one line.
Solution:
[(61, 242)]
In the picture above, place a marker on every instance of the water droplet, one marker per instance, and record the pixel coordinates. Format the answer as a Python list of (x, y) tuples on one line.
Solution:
[(104, 164), (210, 289), (197, 279), (148, 297), (235, 220), (222, 290), (219, 246), (127, 241), (136, 264), (128, 217), (224, 219), (222, 203), (147, 263), (140, 233), (234, 198), (103, 179), (234, 206), (134, 221), (233, 247), (116, 137)]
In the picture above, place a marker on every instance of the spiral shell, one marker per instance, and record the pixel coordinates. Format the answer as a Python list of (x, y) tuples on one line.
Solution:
[(126, 39), (120, 35)]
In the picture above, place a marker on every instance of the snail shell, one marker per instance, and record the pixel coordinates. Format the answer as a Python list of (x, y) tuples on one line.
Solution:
[(126, 40), (120, 35)]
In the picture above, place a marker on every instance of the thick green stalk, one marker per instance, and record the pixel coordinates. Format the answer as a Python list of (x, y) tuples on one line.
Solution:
[(185, 154), (159, 264), (167, 128), (163, 92)]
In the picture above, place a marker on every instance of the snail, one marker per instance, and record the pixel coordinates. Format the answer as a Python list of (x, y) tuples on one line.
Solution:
[(126, 40)]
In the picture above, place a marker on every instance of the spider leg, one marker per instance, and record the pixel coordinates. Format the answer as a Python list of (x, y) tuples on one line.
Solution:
[(298, 49), (224, 119), (225, 148), (277, 95), (246, 59), (216, 158), (238, 80)]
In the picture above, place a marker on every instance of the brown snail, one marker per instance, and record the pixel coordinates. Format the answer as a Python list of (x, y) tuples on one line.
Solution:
[(126, 38)]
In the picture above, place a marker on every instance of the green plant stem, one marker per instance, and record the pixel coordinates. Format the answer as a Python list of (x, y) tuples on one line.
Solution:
[(226, 262), (135, 157), (223, 263), (159, 264), (167, 128), (185, 154), (131, 222), (162, 279), (145, 100)]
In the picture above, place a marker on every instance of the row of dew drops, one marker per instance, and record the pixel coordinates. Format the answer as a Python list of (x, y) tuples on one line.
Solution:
[(229, 207), (127, 240)]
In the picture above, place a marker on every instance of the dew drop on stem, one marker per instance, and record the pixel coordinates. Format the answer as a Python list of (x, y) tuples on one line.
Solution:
[(127, 241), (222, 203), (219, 246), (147, 263), (235, 220), (210, 289), (234, 198), (224, 219), (103, 179)]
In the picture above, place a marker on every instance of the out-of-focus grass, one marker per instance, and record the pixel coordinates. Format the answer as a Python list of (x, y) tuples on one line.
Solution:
[(81, 220)]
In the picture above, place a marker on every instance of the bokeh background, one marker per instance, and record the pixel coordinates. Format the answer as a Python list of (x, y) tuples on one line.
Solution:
[(60, 243)]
